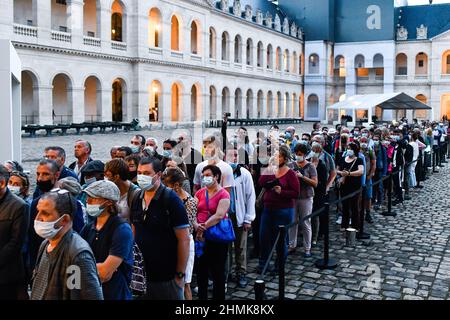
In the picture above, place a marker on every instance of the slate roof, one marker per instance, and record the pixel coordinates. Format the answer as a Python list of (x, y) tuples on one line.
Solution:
[(435, 17)]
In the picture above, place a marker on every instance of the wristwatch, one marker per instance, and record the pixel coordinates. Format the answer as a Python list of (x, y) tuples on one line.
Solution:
[(180, 275)]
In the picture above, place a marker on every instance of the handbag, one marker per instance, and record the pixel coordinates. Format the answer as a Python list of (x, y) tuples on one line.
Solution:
[(341, 181), (222, 232)]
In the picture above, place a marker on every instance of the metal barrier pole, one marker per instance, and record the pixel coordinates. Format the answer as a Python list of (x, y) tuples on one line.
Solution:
[(281, 261), (326, 262), (389, 198), (259, 289)]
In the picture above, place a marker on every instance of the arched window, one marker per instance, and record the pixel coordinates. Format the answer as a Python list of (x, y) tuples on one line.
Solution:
[(238, 103), (278, 60), (62, 99), (118, 100), (339, 66), (312, 107), (294, 62), (154, 28), (196, 110), (226, 100), (30, 98), (59, 15), (378, 61), (270, 111), (195, 38), (155, 106), (117, 22), (301, 65), (260, 104), (446, 62), (175, 34), (260, 55), (269, 57), (225, 47), (212, 103), (286, 60), (176, 102), (212, 43), (24, 13), (249, 52), (249, 103), (401, 62), (360, 61), (313, 67), (421, 64), (92, 100), (91, 14), (238, 49)]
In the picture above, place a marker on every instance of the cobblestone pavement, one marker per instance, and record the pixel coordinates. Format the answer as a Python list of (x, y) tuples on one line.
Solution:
[(407, 258)]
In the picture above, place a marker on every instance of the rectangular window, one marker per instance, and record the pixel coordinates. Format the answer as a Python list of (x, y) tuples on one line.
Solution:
[(91, 34), (421, 63), (62, 2), (29, 22)]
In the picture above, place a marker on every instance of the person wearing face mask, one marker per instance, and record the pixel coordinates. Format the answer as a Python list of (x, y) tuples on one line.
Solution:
[(168, 152), (291, 141), (213, 155), (161, 228), (317, 223), (111, 240), (137, 144), (351, 168), (92, 172), (190, 156), (380, 172), (213, 206), (282, 188), (117, 172), (307, 176), (133, 162), (174, 178), (262, 154), (47, 174), (242, 213), (366, 195), (398, 161), (19, 184), (14, 217), (61, 250)]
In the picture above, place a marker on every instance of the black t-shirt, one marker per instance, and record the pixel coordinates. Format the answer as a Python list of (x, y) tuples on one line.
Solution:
[(155, 232), (351, 183)]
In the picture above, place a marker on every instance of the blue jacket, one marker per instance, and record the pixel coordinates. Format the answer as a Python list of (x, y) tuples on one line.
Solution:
[(382, 163)]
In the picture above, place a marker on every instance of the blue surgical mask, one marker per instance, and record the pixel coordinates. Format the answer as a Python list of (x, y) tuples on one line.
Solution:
[(145, 182), (167, 154), (94, 210), (90, 180), (233, 165), (350, 153), (287, 135), (135, 149)]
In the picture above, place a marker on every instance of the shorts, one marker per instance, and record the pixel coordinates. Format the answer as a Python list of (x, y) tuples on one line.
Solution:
[(368, 194), (190, 262)]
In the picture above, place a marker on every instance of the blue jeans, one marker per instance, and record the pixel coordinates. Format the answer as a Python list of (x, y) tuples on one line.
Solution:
[(270, 220)]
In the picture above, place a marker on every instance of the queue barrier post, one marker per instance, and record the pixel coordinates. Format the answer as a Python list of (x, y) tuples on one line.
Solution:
[(281, 261), (326, 262)]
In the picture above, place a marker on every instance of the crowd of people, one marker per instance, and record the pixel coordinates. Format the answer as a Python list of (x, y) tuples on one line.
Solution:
[(138, 225)]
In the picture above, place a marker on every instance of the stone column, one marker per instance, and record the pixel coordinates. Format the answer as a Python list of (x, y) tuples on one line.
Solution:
[(44, 20), (75, 21), (165, 108), (106, 112), (45, 105), (77, 96), (105, 27), (350, 79)]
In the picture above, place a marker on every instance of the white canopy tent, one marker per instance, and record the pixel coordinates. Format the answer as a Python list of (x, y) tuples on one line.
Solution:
[(386, 101)]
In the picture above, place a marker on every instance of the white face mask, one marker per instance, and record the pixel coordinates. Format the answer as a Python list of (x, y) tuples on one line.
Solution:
[(47, 230), (14, 190), (207, 181), (94, 210), (145, 182)]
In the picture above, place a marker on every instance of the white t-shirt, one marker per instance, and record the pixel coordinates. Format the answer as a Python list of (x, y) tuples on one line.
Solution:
[(415, 146), (225, 168)]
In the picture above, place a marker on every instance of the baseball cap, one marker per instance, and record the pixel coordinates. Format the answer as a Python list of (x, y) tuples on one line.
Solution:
[(93, 166)]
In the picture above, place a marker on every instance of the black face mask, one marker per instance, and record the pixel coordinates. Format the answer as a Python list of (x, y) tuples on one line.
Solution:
[(132, 175), (45, 186)]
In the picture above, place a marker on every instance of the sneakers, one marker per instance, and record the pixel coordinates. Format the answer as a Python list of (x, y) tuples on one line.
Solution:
[(314, 242), (339, 220), (242, 281)]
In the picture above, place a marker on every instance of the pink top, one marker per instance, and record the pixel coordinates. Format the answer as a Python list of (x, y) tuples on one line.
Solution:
[(202, 211)]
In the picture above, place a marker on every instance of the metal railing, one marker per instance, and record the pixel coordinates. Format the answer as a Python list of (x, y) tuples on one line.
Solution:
[(326, 262)]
